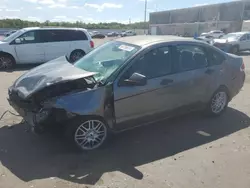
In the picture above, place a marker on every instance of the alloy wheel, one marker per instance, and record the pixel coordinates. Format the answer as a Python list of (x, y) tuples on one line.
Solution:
[(5, 63), (90, 135), (219, 102)]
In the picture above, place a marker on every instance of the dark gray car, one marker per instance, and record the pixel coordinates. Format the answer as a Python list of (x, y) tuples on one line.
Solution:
[(125, 83)]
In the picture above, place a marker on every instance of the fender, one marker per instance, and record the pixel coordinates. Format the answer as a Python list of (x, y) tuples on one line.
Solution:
[(98, 101)]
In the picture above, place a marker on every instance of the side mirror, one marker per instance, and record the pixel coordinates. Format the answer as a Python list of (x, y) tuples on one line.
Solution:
[(135, 80), (18, 41)]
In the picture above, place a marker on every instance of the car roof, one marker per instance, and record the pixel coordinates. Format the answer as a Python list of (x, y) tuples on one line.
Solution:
[(52, 28), (143, 40), (240, 33)]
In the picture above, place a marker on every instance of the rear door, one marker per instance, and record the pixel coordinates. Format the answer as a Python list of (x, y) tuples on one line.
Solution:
[(192, 74), (57, 43)]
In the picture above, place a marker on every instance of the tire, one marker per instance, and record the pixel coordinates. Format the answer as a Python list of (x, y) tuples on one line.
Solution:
[(7, 62), (76, 55), (87, 133), (234, 49), (218, 102)]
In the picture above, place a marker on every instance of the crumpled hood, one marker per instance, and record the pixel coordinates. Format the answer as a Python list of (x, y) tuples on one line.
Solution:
[(52, 72)]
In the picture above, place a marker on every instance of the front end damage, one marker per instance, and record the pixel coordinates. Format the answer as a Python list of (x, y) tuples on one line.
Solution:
[(40, 109), (54, 103)]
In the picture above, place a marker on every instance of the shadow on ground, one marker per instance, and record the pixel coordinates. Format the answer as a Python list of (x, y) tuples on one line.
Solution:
[(20, 68), (32, 157)]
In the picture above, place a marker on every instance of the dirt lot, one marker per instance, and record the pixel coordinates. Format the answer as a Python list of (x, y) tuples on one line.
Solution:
[(190, 152)]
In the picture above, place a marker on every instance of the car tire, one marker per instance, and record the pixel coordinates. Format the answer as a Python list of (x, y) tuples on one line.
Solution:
[(218, 102), (76, 55), (234, 49), (7, 62), (87, 133)]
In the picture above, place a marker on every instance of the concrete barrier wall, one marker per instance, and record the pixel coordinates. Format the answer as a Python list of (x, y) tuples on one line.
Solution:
[(189, 29), (231, 11)]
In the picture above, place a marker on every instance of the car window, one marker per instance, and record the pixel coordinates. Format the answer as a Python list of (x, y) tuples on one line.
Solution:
[(75, 35), (155, 63), (189, 57), (244, 37), (215, 58), (55, 35), (29, 37), (248, 37)]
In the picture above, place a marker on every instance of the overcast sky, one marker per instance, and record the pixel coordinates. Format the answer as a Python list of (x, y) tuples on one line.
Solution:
[(90, 10)]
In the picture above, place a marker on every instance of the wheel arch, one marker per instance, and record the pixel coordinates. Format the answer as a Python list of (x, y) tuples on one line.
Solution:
[(6, 53), (224, 87)]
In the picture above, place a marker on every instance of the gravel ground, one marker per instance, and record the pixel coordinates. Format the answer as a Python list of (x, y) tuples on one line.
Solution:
[(189, 151)]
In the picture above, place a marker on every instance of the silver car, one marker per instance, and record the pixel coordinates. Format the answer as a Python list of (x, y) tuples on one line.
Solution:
[(126, 83)]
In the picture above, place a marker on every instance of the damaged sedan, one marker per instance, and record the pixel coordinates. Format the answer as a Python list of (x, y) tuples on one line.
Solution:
[(126, 83)]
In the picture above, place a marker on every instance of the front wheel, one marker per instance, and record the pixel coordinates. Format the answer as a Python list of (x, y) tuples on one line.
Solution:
[(88, 134), (218, 103), (7, 62)]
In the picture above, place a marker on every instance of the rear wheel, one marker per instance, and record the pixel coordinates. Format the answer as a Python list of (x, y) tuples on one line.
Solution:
[(7, 62), (218, 102), (76, 55)]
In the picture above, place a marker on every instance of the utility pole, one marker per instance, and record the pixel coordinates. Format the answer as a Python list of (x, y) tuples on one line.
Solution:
[(145, 16)]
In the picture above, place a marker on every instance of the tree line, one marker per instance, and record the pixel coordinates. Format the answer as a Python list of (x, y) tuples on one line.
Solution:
[(18, 23)]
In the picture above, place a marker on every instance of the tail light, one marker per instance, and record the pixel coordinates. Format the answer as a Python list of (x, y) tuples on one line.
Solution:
[(242, 67), (92, 45)]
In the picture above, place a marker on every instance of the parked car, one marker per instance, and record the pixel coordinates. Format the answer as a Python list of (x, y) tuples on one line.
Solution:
[(207, 39), (113, 34), (9, 33), (98, 36), (214, 34), (233, 42), (39, 45), (126, 83), (128, 33)]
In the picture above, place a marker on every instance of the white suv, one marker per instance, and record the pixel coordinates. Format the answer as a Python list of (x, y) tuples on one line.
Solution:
[(128, 33), (39, 45)]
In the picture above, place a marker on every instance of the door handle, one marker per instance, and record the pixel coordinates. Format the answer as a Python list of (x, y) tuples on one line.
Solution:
[(166, 81), (209, 71)]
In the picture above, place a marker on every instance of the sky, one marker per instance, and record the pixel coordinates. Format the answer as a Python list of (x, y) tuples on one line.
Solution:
[(90, 11)]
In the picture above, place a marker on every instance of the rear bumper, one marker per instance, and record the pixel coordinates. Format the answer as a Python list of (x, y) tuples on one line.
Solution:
[(238, 84)]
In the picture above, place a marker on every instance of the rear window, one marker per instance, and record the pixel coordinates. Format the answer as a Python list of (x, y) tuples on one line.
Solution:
[(78, 35), (215, 57)]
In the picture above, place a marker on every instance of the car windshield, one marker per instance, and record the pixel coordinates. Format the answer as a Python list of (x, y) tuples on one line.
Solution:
[(232, 36), (106, 59), (12, 36)]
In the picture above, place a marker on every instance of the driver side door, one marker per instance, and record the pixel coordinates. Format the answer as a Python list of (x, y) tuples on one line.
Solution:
[(29, 48), (136, 105)]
